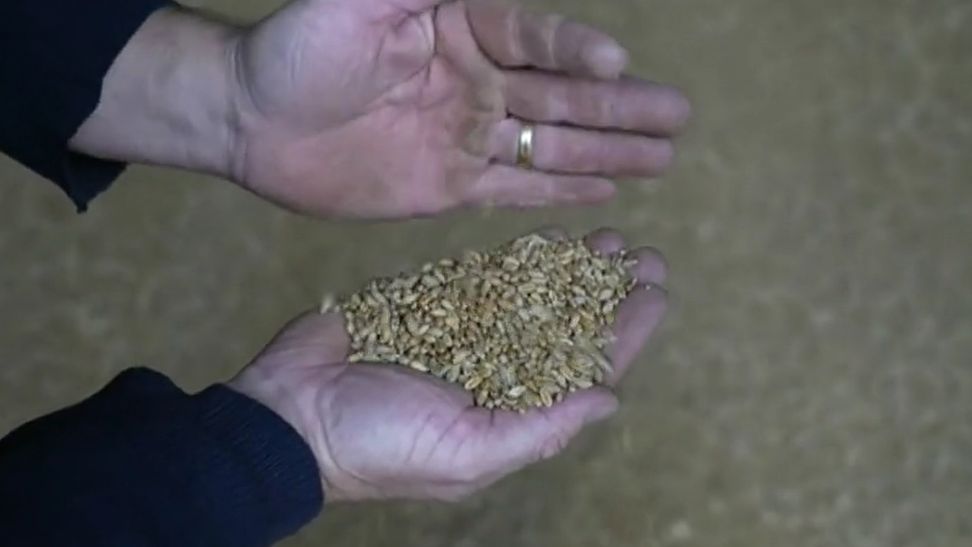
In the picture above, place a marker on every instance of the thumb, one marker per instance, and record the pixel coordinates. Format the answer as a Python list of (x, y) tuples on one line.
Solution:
[(516, 440), (311, 339)]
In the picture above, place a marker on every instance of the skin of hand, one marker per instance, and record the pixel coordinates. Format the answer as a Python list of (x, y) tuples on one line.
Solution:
[(387, 108), (383, 431)]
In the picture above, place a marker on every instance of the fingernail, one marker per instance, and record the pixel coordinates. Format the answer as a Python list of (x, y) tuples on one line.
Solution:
[(651, 287), (607, 60), (603, 412)]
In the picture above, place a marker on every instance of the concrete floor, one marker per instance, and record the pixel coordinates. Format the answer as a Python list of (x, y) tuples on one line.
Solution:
[(813, 386)]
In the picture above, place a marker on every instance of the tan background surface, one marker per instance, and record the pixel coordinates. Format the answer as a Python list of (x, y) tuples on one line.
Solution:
[(813, 386)]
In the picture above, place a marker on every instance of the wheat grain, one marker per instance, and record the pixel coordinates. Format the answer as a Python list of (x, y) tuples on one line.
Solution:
[(518, 326)]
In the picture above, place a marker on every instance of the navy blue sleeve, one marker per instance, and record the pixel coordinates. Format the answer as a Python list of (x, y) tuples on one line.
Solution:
[(54, 56), (143, 464)]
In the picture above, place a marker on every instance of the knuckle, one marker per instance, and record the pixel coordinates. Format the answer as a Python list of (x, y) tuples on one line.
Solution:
[(589, 103)]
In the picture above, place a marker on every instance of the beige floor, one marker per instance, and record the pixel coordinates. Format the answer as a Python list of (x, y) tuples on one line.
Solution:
[(813, 386)]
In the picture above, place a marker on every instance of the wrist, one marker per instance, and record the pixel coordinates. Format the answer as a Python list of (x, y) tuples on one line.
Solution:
[(292, 405), (169, 98)]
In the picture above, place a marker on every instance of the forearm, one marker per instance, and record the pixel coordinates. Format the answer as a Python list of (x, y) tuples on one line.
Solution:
[(142, 463), (169, 98)]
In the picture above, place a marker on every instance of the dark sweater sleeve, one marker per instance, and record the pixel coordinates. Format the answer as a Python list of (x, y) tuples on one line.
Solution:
[(143, 464), (54, 55)]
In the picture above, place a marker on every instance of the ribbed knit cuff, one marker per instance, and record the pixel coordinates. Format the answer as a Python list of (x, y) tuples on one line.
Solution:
[(55, 56), (263, 472), (143, 463)]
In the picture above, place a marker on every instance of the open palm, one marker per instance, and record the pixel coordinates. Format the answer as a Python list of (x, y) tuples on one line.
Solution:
[(385, 431), (397, 108)]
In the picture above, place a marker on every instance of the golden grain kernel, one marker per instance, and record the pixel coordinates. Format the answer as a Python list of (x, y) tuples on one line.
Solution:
[(519, 326)]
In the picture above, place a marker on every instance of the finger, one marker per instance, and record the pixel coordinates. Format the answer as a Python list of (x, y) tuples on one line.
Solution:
[(513, 37), (650, 266), (580, 151), (605, 241), (312, 338), (505, 186), (638, 316), (515, 440), (629, 104)]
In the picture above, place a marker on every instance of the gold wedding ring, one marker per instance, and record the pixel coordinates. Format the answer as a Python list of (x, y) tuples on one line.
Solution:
[(524, 147)]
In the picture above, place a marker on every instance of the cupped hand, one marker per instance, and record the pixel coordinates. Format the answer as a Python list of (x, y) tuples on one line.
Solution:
[(382, 431), (399, 108)]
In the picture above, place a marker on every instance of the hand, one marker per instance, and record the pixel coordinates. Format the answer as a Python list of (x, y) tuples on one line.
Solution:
[(397, 108), (383, 431), (385, 108)]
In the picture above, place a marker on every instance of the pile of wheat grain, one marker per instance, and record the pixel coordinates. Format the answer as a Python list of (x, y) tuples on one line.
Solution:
[(518, 326)]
